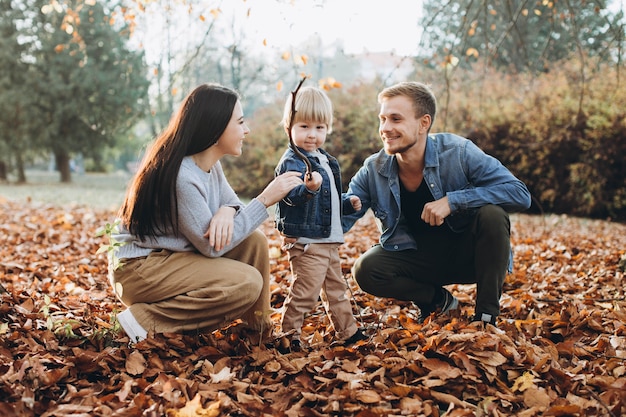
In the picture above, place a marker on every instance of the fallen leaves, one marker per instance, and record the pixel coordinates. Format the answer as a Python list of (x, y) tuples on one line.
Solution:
[(559, 349), (194, 408)]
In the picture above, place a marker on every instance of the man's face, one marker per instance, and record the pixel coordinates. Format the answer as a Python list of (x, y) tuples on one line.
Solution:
[(398, 128)]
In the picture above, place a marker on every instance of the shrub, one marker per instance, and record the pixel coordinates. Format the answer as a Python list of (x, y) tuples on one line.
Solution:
[(565, 138)]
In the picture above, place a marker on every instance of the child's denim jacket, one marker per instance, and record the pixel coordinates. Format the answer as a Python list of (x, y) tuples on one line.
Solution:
[(305, 213)]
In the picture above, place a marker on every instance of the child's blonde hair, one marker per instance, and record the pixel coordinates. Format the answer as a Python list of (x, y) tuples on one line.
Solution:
[(312, 105)]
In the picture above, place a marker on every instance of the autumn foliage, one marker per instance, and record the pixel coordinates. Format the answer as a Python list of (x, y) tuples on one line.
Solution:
[(559, 349), (561, 133)]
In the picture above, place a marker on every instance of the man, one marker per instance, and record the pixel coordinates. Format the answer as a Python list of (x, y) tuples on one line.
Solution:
[(441, 204)]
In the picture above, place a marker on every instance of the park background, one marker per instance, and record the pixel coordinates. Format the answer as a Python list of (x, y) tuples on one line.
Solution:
[(84, 87)]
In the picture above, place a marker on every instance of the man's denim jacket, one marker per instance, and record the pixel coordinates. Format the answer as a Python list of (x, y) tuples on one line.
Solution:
[(454, 167), (305, 213)]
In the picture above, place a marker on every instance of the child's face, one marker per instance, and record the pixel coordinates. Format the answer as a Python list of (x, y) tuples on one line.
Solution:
[(309, 135)]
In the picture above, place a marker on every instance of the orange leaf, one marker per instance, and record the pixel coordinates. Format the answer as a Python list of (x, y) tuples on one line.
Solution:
[(194, 408)]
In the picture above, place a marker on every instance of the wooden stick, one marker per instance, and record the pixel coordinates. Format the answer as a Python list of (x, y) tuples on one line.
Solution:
[(292, 117)]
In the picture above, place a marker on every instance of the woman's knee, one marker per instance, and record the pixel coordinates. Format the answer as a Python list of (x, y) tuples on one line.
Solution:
[(257, 239), (254, 247), (247, 291), (254, 251), (251, 285)]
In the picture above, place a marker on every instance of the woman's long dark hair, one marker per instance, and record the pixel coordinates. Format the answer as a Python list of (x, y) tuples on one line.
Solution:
[(150, 207)]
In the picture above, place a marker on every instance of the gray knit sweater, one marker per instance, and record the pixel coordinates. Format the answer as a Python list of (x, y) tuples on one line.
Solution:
[(199, 195)]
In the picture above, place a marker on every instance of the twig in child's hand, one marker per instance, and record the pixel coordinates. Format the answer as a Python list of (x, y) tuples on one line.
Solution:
[(292, 117)]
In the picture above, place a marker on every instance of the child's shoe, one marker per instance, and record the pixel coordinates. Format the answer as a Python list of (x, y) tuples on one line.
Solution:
[(356, 337)]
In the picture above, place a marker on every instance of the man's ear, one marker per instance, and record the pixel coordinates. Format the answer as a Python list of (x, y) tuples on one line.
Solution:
[(426, 121)]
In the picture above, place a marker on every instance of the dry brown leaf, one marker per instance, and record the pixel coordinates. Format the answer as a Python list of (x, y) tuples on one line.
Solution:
[(194, 408), (411, 406), (451, 399), (536, 397), (272, 366), (136, 363), (368, 396), (223, 375)]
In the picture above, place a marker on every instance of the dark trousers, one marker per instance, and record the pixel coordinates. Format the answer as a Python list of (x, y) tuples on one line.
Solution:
[(478, 255)]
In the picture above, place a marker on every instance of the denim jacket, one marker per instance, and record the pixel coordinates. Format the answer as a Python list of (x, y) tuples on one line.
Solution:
[(305, 213), (454, 167)]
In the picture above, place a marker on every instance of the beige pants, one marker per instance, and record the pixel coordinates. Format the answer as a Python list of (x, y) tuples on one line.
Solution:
[(316, 270), (186, 291)]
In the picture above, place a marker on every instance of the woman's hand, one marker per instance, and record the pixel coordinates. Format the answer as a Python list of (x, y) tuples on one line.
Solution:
[(280, 187), (221, 227)]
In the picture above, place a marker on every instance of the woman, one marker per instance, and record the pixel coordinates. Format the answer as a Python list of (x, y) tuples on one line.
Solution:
[(190, 257)]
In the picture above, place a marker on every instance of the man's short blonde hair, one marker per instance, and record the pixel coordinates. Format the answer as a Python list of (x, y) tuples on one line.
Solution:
[(420, 94), (312, 105)]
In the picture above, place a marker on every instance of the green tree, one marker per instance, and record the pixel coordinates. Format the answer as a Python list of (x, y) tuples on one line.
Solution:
[(89, 86), (15, 98), (520, 35)]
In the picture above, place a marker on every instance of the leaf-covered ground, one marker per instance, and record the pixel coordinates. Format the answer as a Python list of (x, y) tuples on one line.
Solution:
[(559, 350)]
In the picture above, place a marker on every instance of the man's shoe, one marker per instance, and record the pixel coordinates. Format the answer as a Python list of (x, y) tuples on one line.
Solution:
[(449, 303), (485, 318), (424, 312)]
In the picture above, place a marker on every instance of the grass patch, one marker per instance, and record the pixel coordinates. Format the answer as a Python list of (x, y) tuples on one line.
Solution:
[(96, 190)]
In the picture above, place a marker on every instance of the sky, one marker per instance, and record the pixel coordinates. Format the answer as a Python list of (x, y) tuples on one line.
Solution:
[(362, 25)]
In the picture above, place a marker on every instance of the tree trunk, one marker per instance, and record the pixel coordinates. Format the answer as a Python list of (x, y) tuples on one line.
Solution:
[(4, 176), (98, 163), (62, 160), (19, 166)]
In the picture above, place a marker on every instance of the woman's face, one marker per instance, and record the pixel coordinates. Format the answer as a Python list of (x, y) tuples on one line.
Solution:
[(231, 141)]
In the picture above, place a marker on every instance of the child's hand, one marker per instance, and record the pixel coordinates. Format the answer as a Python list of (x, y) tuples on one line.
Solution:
[(356, 202), (315, 182)]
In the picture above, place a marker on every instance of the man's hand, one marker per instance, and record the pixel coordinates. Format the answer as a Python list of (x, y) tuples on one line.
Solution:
[(436, 211)]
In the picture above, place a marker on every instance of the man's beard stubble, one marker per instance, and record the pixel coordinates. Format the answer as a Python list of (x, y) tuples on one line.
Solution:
[(401, 150)]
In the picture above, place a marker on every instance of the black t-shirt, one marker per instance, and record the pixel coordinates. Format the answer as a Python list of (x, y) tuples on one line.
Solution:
[(412, 203)]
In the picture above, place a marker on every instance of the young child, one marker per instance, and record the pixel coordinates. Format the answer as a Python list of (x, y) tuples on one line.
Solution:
[(310, 217)]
